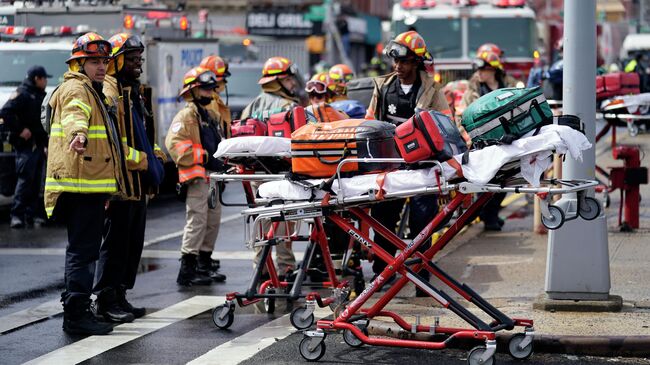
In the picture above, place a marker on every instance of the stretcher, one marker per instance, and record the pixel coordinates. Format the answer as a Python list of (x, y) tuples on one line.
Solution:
[(254, 160), (334, 197)]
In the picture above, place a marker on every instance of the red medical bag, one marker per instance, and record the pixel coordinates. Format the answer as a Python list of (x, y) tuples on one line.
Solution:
[(247, 128), (617, 83), (285, 123)]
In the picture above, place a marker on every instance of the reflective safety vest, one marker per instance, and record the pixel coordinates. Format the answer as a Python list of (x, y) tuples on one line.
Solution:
[(183, 142), (77, 110)]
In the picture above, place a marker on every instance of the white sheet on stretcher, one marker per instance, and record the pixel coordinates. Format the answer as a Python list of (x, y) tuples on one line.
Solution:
[(638, 103), (534, 154), (255, 146)]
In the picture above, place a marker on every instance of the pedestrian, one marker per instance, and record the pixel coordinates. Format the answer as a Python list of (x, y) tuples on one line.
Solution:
[(279, 93), (126, 215), (395, 98), (84, 167), (488, 77), (22, 116), (192, 140)]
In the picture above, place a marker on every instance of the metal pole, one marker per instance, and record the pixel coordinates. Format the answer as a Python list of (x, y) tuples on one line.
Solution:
[(577, 265), (328, 25)]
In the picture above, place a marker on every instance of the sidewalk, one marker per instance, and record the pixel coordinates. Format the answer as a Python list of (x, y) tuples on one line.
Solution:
[(508, 269)]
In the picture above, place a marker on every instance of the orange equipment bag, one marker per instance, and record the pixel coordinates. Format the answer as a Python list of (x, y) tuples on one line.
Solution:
[(317, 149)]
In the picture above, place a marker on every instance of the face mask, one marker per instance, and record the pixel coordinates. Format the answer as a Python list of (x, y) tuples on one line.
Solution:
[(204, 100)]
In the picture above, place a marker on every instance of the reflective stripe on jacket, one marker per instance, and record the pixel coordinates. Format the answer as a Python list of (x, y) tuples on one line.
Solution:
[(183, 142), (77, 109)]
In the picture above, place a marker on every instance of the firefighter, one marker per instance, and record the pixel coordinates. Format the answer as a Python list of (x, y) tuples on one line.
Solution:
[(320, 89), (126, 218), (489, 76), (279, 86), (221, 110), (341, 74), (394, 99), (85, 166), (192, 140), (221, 113), (22, 115)]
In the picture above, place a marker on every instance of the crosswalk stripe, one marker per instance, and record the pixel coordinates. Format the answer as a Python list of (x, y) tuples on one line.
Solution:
[(245, 346), (94, 345), (27, 316), (177, 234)]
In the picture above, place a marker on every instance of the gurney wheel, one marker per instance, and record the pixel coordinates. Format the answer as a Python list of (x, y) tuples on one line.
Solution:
[(515, 351), (351, 339), (269, 303), (315, 354), (590, 209), (474, 357), (298, 322), (557, 218), (212, 198), (225, 322)]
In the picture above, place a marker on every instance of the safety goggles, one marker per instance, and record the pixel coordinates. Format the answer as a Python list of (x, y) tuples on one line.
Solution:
[(98, 48), (207, 77), (314, 86), (481, 64), (397, 50)]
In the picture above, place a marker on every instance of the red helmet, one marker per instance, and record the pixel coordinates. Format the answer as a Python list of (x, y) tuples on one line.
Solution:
[(320, 83), (487, 58), (217, 65), (341, 73), (407, 44), (198, 77), (489, 47), (90, 45), (276, 68)]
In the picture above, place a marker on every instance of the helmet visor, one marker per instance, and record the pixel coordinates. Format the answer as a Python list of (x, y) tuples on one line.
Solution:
[(314, 86), (98, 48), (397, 50)]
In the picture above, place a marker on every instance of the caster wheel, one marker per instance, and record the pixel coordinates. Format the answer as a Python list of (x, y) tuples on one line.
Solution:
[(590, 209), (351, 339), (298, 322), (474, 357), (269, 303), (212, 198), (556, 220), (309, 354), (223, 316), (515, 350)]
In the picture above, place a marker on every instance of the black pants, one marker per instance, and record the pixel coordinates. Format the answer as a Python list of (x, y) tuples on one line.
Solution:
[(29, 173), (122, 246), (422, 210), (84, 217), (490, 212)]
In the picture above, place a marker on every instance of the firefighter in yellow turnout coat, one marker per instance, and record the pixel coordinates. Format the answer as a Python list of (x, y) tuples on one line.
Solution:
[(192, 139), (85, 166)]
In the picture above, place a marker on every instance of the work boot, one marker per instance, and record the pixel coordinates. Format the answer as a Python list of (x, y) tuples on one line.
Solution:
[(188, 274), (108, 306), (78, 319), (16, 223), (207, 266), (128, 307)]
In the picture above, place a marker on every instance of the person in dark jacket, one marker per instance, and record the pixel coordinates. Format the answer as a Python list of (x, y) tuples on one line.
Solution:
[(22, 115)]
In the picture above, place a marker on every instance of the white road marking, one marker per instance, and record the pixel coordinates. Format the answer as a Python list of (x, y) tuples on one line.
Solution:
[(27, 316), (94, 345), (245, 346), (177, 234)]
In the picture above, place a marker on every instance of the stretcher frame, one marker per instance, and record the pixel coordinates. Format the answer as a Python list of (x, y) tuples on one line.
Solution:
[(353, 319)]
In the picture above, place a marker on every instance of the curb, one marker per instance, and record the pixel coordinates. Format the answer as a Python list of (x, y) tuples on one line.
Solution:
[(608, 346)]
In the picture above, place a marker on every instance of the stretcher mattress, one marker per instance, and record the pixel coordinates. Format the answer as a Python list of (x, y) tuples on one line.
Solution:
[(533, 154), (635, 104)]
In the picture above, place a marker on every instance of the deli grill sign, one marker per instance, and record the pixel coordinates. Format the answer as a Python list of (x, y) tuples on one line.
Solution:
[(284, 23)]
